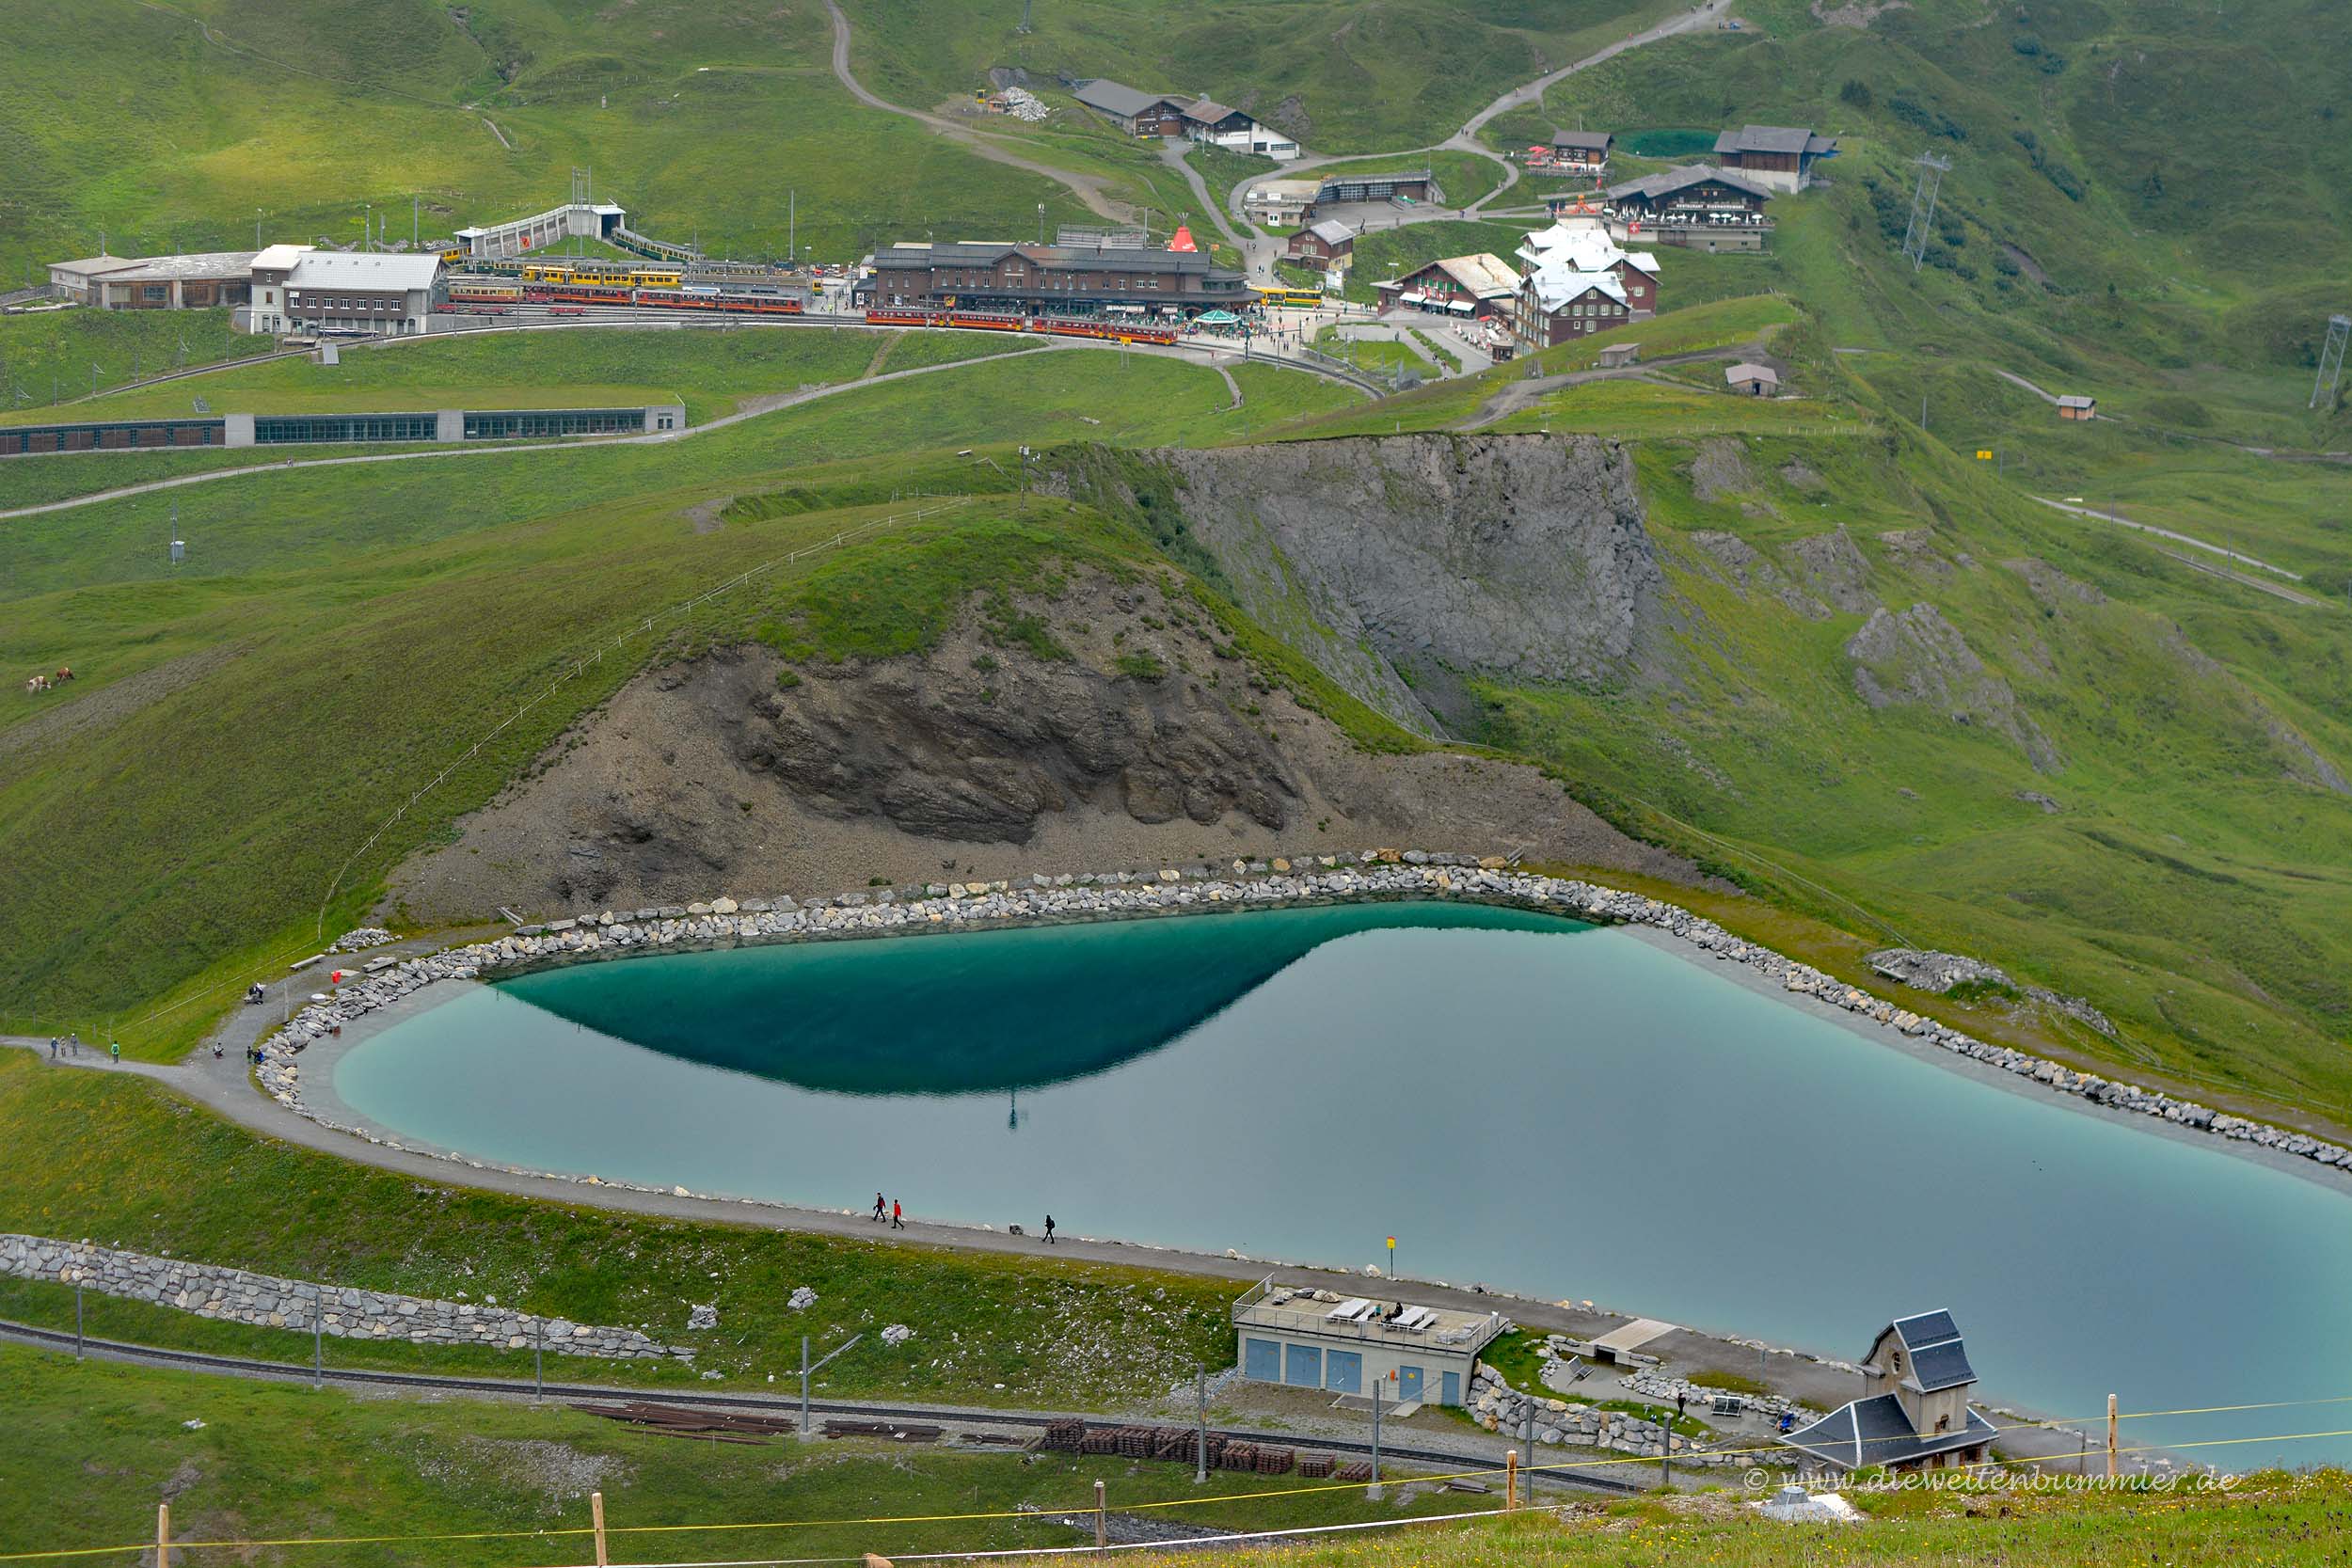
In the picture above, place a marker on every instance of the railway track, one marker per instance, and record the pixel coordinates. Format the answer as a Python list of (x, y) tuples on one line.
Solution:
[(287, 1372)]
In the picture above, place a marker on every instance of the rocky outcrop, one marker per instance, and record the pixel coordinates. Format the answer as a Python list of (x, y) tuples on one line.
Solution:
[(1833, 567), (267, 1301), (1746, 568), (1519, 557), (1915, 658), (1943, 973), (919, 745)]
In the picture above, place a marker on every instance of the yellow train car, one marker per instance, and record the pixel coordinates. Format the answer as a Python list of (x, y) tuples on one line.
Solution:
[(614, 274)]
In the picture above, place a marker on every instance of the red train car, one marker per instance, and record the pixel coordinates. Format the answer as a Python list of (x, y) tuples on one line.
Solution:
[(1051, 327)]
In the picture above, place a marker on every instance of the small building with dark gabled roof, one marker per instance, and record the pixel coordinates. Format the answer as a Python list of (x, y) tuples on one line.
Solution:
[(1582, 152), (1780, 156), (1328, 241), (1914, 1413), (1140, 113)]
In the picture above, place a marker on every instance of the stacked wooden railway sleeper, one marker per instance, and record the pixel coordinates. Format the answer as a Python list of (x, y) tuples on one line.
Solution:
[(1183, 1444)]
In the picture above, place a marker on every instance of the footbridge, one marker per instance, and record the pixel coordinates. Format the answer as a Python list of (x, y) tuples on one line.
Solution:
[(574, 220)]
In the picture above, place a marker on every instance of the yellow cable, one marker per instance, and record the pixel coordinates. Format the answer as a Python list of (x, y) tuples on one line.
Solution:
[(56, 1554)]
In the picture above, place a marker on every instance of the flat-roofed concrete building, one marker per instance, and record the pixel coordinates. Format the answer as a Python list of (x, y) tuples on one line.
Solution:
[(191, 282), (1279, 202), (1345, 1344), (272, 430)]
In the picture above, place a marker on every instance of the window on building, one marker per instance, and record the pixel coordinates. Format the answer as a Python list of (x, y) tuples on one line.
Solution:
[(155, 291)]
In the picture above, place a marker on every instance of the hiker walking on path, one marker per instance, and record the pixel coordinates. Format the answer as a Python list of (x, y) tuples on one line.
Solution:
[(53, 1048), (115, 1047), (896, 1223), (1049, 1231), (878, 1207)]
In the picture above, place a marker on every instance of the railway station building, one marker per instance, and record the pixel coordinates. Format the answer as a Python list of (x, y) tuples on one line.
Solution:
[(191, 282), (1049, 279), (1342, 1344), (297, 288)]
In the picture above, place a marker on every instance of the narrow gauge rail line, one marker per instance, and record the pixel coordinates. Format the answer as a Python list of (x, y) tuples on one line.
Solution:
[(287, 1372)]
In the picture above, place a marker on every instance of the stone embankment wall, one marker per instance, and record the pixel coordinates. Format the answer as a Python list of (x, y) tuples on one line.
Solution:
[(1566, 1423), (234, 1295), (1200, 889)]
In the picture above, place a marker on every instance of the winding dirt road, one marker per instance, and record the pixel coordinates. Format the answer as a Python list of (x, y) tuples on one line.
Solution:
[(1085, 187)]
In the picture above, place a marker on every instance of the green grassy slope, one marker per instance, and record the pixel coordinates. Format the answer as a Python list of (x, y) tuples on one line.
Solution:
[(1343, 78), (2191, 881), (708, 369), (431, 597), (276, 1461), (703, 121), (147, 1171)]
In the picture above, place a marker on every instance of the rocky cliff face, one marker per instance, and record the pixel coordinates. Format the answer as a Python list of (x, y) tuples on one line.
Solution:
[(1148, 741), (1519, 557)]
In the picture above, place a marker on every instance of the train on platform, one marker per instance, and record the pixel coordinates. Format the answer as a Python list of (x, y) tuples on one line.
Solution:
[(1051, 327), (609, 275), (479, 296)]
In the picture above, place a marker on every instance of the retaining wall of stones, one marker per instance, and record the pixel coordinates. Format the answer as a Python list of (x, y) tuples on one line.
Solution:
[(1373, 874), (234, 1295), (1571, 1423)]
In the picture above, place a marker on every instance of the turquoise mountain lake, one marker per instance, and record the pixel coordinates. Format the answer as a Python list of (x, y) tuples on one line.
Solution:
[(1546, 1107)]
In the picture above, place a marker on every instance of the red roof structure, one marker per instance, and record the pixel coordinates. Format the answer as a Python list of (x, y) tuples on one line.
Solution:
[(1181, 239)]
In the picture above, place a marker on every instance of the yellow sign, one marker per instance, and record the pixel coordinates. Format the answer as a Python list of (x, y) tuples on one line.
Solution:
[(1984, 454), (1392, 1241)]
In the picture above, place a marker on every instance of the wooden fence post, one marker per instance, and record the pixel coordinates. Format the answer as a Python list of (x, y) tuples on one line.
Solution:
[(595, 1516), (1510, 1480), (163, 1535), (1101, 1521), (2111, 1436)]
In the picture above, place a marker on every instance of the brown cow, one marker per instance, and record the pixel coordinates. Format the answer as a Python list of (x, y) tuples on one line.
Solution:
[(64, 673)]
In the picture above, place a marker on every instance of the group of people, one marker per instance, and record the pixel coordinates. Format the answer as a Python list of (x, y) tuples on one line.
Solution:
[(48, 683), (897, 1216), (69, 1046)]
